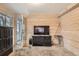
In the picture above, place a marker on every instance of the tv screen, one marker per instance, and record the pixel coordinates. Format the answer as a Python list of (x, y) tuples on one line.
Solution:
[(41, 30)]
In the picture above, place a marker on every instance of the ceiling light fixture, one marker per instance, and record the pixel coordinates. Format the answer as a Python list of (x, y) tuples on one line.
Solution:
[(36, 4)]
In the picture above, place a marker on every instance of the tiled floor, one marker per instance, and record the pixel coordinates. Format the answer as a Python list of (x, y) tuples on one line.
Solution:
[(43, 51)]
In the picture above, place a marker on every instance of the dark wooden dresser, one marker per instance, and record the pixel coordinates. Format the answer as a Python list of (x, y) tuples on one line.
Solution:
[(41, 40)]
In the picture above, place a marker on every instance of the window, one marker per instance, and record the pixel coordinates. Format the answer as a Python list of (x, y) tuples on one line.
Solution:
[(20, 31), (8, 21), (5, 20), (2, 20)]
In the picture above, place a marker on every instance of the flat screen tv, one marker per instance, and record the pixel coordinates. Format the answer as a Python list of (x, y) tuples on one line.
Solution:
[(41, 30)]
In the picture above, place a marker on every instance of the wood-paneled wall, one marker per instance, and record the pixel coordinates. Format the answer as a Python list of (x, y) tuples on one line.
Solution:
[(41, 19), (70, 30)]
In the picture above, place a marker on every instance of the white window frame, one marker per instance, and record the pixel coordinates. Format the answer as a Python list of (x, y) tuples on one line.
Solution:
[(20, 31)]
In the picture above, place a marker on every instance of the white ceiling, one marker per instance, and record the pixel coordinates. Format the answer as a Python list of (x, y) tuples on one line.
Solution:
[(28, 8)]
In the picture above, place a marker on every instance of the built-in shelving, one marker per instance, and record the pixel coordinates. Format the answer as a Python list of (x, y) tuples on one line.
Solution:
[(6, 35), (5, 40)]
